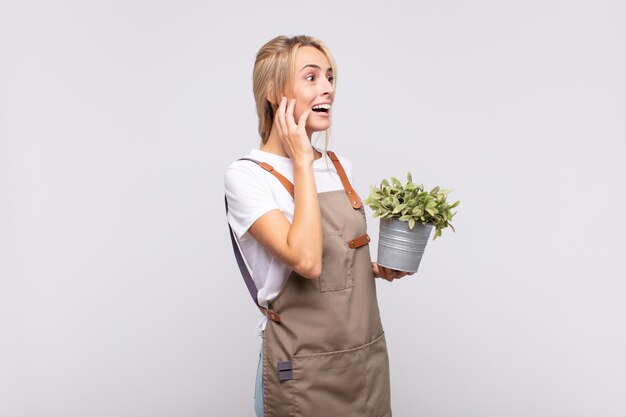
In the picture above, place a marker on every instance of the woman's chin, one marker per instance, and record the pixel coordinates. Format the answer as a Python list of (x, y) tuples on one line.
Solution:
[(317, 127)]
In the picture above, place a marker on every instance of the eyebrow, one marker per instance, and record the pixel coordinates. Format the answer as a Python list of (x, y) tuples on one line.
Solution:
[(314, 66)]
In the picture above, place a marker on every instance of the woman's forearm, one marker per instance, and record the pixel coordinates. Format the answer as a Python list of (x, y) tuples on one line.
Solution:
[(305, 234)]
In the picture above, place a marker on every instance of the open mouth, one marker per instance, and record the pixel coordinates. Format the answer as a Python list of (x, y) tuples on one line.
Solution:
[(321, 108)]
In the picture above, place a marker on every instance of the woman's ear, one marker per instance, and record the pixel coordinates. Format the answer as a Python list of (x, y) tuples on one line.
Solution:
[(268, 94), (275, 101)]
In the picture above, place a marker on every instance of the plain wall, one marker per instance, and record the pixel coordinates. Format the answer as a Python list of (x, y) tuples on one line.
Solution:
[(119, 293)]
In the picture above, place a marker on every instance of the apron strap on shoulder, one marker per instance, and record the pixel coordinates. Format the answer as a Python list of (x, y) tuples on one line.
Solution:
[(355, 201), (284, 181)]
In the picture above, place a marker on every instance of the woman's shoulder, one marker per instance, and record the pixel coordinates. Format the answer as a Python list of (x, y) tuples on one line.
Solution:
[(258, 155), (345, 162), (241, 172), (245, 172)]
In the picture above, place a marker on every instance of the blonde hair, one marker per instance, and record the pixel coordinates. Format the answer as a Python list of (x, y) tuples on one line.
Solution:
[(273, 71)]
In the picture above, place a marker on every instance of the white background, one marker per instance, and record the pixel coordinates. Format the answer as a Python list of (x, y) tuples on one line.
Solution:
[(119, 293)]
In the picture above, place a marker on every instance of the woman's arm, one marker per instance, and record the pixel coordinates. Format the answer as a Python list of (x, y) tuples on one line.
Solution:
[(299, 244)]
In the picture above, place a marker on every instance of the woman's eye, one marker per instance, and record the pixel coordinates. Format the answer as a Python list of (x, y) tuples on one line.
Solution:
[(310, 77), (331, 78)]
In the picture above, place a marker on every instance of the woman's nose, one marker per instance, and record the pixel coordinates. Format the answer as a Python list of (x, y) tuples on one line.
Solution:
[(328, 87)]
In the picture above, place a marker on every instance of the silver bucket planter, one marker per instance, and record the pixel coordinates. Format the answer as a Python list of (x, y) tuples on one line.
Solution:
[(400, 247)]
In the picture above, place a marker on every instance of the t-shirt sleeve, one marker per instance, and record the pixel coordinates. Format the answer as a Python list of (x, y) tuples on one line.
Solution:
[(248, 195)]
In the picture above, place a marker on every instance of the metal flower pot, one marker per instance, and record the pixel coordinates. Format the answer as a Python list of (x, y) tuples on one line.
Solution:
[(399, 247)]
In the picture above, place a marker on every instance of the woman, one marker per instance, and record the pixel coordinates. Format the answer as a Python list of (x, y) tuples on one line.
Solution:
[(301, 228)]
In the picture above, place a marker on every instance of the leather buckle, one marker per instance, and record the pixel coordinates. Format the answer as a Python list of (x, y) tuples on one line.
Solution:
[(359, 241), (275, 317)]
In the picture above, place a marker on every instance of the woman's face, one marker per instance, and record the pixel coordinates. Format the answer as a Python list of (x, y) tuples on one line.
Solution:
[(313, 88)]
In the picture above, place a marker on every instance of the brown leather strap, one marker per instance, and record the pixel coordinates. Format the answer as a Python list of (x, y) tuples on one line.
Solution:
[(355, 201), (272, 315), (359, 241), (284, 181)]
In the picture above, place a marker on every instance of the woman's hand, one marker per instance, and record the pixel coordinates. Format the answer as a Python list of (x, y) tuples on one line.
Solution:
[(293, 136), (388, 273)]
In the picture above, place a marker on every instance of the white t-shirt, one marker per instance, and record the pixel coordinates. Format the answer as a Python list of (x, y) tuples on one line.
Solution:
[(251, 192)]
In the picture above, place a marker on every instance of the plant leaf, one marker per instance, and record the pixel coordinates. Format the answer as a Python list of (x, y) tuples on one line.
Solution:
[(398, 208), (431, 211)]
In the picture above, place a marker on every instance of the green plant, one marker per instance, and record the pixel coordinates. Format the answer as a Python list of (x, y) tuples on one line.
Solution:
[(410, 203)]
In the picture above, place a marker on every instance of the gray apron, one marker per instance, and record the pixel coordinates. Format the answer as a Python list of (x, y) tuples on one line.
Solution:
[(324, 349)]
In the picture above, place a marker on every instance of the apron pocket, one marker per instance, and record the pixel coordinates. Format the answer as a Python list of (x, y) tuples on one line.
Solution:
[(329, 385), (347, 383), (377, 377), (336, 264)]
